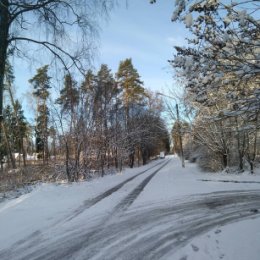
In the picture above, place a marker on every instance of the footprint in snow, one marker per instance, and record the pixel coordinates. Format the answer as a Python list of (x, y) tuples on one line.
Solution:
[(217, 231), (195, 248)]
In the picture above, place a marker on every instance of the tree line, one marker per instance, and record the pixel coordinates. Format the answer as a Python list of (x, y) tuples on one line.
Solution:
[(102, 123), (105, 120)]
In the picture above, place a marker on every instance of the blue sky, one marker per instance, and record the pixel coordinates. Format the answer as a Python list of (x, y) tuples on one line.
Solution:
[(145, 33), (137, 30)]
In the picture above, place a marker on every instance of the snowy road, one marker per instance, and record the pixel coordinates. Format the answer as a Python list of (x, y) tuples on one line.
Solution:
[(140, 218)]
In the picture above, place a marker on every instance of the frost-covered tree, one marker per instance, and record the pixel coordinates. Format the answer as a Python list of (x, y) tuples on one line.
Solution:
[(64, 29), (133, 96), (220, 69), (68, 102), (224, 45), (104, 98)]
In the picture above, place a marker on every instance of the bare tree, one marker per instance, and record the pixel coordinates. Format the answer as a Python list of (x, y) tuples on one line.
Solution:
[(67, 28)]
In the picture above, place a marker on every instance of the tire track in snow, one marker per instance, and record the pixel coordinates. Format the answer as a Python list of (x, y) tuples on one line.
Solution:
[(93, 236), (127, 201), (91, 202), (68, 251), (150, 233), (136, 235), (230, 181), (36, 236)]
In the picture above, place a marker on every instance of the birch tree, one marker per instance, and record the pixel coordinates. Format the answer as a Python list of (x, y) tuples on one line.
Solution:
[(64, 29)]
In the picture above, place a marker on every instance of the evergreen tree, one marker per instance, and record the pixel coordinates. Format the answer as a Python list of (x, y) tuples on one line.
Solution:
[(104, 98), (133, 95), (69, 95), (86, 96), (41, 85), (20, 128), (7, 126), (131, 85), (105, 92), (15, 129), (68, 100)]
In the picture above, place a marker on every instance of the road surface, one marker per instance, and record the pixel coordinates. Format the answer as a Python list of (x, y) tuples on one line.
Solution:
[(129, 230)]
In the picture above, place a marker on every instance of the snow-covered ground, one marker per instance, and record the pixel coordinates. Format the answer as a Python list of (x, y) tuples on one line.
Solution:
[(159, 211)]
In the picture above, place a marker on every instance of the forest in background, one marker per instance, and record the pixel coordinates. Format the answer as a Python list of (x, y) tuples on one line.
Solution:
[(94, 127), (99, 122), (107, 121)]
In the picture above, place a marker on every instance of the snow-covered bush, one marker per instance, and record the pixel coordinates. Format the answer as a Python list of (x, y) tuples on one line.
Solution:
[(209, 161)]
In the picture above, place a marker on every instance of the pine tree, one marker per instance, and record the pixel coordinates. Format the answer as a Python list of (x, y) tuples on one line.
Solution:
[(104, 95), (41, 85), (133, 95), (105, 92), (86, 94), (15, 127), (21, 126), (69, 95), (132, 87), (68, 100), (7, 127)]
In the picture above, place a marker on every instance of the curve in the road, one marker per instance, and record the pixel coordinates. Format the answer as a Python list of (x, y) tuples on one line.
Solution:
[(159, 232), (91, 202), (128, 200), (37, 237), (154, 232), (92, 235)]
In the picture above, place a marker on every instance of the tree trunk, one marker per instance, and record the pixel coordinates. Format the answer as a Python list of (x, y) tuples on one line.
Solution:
[(120, 164), (21, 146), (144, 156), (115, 155), (102, 164), (131, 160), (138, 160), (254, 153), (251, 163), (225, 160), (24, 153), (4, 28), (180, 136), (241, 164), (8, 147), (240, 151), (67, 161)]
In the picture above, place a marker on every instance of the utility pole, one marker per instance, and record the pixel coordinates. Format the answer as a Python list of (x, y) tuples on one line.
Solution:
[(180, 135), (179, 127)]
